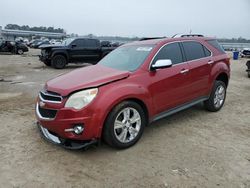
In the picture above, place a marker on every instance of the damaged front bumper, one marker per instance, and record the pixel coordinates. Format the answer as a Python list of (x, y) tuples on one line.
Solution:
[(43, 58), (65, 143)]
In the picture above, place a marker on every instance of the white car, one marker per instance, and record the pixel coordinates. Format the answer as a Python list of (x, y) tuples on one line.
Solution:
[(245, 52)]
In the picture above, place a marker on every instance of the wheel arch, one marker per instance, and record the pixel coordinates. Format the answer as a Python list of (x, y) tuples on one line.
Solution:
[(123, 93), (142, 104), (220, 71), (60, 53), (133, 99), (222, 77)]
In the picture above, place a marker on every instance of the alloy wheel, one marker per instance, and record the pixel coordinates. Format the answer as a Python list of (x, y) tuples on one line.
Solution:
[(219, 96), (127, 125), (20, 51)]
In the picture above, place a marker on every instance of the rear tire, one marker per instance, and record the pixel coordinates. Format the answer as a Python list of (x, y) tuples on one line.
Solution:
[(248, 74), (124, 125), (217, 97), (58, 62)]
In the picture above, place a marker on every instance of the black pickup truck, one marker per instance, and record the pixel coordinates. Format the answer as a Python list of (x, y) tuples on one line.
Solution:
[(73, 50)]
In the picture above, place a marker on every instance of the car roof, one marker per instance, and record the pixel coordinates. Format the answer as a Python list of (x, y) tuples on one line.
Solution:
[(166, 40)]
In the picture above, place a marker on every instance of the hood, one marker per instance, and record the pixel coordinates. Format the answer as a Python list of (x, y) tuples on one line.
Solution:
[(51, 46), (87, 77)]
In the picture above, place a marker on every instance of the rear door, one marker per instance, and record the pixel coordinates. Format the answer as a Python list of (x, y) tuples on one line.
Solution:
[(85, 50), (169, 85), (92, 50), (199, 59)]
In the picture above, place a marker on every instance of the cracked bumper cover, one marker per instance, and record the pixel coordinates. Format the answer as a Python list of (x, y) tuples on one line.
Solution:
[(43, 58), (65, 143)]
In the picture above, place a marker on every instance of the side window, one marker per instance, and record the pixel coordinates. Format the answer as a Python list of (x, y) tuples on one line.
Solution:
[(170, 51), (90, 43), (85, 43), (78, 43), (82, 43), (193, 50)]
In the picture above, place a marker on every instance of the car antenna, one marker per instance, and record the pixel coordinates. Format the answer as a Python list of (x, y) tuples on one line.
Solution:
[(175, 35)]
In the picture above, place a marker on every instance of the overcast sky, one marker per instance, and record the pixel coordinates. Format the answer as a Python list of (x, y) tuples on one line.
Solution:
[(220, 18)]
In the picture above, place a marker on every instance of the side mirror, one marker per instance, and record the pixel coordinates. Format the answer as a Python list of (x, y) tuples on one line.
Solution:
[(161, 64), (73, 45)]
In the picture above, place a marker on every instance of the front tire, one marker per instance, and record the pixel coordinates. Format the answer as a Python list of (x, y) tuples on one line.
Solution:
[(58, 62), (217, 97), (124, 125), (20, 51)]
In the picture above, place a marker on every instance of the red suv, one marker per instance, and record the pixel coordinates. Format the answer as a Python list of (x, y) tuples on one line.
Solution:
[(134, 85)]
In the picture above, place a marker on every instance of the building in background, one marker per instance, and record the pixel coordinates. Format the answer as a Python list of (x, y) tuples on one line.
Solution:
[(11, 35)]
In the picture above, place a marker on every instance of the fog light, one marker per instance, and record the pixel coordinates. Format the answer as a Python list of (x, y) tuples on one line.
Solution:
[(78, 129)]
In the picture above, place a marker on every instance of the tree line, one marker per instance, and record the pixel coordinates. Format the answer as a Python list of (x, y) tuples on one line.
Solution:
[(235, 40), (39, 29), (115, 38)]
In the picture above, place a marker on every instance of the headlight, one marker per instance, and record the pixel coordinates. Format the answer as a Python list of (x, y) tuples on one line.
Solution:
[(81, 99)]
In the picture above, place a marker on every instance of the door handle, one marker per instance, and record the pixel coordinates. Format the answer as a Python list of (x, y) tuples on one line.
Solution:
[(210, 62), (184, 71)]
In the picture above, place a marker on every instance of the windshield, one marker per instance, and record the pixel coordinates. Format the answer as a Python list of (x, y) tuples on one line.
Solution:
[(66, 42), (127, 58)]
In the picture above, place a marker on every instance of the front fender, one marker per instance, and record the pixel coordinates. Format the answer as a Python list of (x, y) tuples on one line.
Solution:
[(112, 94)]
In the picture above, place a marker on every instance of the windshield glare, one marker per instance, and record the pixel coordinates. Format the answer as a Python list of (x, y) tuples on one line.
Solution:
[(127, 58), (66, 42)]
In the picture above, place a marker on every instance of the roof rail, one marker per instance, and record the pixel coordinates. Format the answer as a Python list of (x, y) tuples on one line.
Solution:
[(151, 38), (192, 35)]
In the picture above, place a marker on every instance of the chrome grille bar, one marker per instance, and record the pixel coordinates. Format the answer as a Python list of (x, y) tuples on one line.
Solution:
[(51, 98)]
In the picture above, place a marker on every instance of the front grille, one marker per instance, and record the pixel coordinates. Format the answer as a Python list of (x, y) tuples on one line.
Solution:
[(50, 97), (47, 113)]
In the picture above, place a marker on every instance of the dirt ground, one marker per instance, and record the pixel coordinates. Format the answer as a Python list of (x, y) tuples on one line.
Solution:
[(193, 148)]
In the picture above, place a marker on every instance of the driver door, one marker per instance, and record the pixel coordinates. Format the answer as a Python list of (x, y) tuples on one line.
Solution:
[(169, 86), (77, 50)]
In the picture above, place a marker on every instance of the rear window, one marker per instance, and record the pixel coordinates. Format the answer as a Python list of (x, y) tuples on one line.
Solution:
[(216, 45), (194, 50)]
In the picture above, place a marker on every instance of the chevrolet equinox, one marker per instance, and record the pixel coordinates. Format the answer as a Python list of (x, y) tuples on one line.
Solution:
[(134, 85)]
